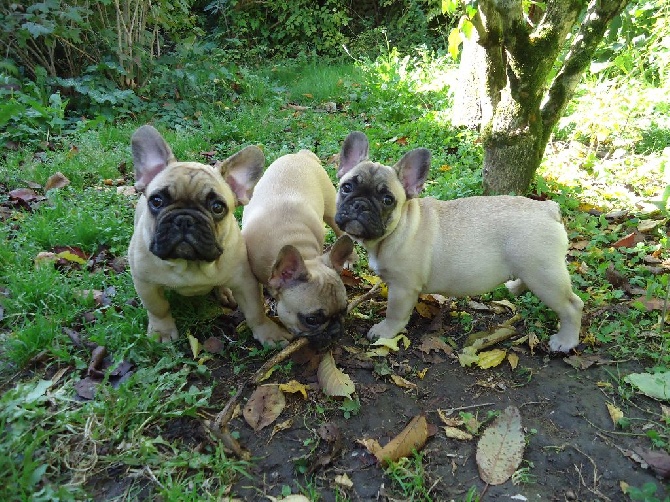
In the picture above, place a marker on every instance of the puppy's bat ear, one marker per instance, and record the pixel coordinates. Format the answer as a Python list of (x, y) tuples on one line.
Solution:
[(289, 269), (413, 170), (354, 151), (151, 154), (339, 253), (242, 171)]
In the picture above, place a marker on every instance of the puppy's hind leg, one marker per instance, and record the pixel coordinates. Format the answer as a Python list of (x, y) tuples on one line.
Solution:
[(551, 283)]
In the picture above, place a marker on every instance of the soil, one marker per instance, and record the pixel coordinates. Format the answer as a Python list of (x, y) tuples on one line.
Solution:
[(573, 450)]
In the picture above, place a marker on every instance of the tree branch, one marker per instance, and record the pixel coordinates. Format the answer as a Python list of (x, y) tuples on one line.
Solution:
[(598, 15)]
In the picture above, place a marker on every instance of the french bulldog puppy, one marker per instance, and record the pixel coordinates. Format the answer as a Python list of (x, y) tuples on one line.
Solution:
[(456, 248), (186, 237), (283, 226)]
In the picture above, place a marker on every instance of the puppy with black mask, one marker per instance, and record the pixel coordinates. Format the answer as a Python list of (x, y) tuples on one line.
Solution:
[(186, 237), (462, 247)]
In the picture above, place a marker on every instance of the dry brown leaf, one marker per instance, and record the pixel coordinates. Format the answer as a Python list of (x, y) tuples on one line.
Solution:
[(333, 381), (412, 437), (500, 449), (264, 406), (286, 424), (429, 343), (56, 180)]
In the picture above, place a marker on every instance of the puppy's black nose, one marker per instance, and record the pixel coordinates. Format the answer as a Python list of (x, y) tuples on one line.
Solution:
[(360, 205), (184, 222)]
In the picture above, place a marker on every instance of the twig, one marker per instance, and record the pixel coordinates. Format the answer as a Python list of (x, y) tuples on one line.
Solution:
[(364, 297), (226, 414), (469, 407)]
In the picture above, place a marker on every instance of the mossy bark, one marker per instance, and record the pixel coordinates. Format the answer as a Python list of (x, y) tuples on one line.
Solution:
[(520, 51)]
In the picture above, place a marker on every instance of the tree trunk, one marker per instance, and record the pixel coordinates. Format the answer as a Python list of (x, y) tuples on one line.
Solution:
[(518, 110)]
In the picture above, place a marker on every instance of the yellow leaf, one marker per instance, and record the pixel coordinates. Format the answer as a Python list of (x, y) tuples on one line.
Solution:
[(287, 424), (378, 352), (344, 481), (373, 279), (445, 167), (70, 256), (421, 374), (454, 433), (427, 311), (268, 374), (615, 413), (401, 382), (294, 386), (491, 358), (195, 345), (449, 421), (513, 360), (333, 381), (392, 343)]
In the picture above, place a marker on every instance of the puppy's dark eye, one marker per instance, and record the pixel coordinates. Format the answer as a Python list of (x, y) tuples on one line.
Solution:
[(346, 188), (388, 200), (156, 201), (314, 320), (217, 207)]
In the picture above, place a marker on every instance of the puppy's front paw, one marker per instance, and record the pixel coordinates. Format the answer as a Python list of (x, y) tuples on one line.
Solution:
[(559, 343), (270, 334), (164, 330), (225, 297), (383, 329)]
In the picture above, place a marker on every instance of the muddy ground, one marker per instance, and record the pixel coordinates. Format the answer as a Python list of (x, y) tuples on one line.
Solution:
[(573, 450)]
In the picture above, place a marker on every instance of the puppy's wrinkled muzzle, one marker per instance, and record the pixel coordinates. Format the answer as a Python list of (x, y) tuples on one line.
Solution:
[(359, 219), (331, 333), (185, 234)]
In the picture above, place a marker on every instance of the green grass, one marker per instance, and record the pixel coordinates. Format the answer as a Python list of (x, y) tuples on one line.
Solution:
[(53, 446)]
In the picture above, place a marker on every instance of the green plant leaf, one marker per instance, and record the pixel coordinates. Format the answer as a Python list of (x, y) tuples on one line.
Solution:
[(656, 385)]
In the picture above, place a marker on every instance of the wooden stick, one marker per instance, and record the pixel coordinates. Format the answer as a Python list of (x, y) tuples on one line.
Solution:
[(364, 297)]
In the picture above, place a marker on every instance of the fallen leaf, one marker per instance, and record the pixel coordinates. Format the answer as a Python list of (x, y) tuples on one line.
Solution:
[(426, 310), (648, 225), (468, 356), (402, 382), (333, 381), (344, 481), (286, 424), (615, 413), (421, 374), (294, 386), (429, 343), (658, 460), (513, 360), (491, 358), (194, 344), (329, 432), (500, 449), (449, 421), (213, 345), (264, 406), (656, 385), (56, 180), (412, 438), (392, 343), (454, 433), (628, 241)]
